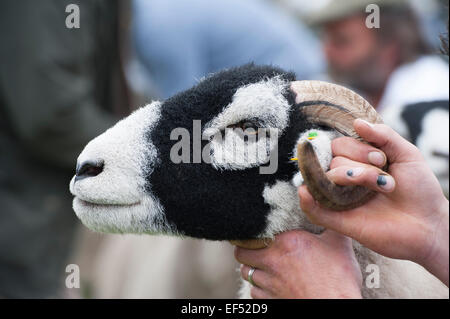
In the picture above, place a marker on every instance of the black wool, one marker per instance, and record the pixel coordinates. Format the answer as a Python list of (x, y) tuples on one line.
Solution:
[(199, 200)]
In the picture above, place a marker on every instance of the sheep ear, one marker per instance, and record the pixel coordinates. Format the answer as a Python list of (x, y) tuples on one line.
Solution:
[(334, 106)]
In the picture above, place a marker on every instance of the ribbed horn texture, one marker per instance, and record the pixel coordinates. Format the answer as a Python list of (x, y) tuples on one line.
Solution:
[(334, 106)]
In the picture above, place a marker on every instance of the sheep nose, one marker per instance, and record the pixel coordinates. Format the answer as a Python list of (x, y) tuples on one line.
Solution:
[(88, 169)]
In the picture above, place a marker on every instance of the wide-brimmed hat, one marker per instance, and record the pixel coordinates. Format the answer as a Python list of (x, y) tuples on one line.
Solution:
[(340, 9)]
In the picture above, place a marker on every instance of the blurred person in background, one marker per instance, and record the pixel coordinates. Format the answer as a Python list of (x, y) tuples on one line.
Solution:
[(370, 60), (59, 88), (179, 42), (394, 67)]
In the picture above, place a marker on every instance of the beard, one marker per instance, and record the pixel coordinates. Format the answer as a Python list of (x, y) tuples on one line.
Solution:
[(367, 76)]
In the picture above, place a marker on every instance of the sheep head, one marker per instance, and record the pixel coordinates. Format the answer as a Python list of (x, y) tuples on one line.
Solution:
[(248, 122)]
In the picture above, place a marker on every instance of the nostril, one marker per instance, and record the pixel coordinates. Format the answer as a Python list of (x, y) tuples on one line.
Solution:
[(88, 169)]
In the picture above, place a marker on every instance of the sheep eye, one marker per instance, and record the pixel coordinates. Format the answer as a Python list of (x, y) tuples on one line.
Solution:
[(246, 125), (250, 125)]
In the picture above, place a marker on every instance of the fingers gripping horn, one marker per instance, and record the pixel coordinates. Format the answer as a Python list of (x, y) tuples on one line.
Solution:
[(330, 105)]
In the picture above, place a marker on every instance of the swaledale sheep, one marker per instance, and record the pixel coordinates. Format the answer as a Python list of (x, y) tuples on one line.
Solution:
[(127, 180)]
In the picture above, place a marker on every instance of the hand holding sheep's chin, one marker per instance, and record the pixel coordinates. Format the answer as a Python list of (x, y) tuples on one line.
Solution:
[(298, 264), (407, 219)]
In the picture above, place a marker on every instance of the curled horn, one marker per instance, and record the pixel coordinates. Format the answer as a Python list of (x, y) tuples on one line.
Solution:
[(326, 104)]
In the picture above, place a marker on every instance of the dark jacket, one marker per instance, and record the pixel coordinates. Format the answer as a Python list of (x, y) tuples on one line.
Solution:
[(58, 89)]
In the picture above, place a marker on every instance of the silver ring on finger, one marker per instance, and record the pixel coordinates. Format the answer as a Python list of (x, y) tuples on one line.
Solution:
[(250, 276)]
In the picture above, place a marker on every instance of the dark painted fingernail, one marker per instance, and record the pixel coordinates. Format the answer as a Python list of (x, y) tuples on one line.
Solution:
[(355, 172), (386, 182), (381, 180)]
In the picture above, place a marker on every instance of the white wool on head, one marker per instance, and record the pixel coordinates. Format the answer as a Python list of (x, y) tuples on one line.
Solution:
[(285, 212), (116, 200), (322, 147), (282, 196)]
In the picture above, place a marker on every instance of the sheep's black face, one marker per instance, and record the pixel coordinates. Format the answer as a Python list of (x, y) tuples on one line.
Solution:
[(144, 188)]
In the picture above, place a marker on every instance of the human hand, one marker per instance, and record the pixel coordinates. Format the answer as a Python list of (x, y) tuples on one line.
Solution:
[(298, 264), (407, 219)]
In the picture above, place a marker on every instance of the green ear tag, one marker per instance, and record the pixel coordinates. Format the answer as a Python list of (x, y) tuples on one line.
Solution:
[(312, 135)]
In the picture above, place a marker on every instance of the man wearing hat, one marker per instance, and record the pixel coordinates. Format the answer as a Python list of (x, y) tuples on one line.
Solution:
[(366, 58)]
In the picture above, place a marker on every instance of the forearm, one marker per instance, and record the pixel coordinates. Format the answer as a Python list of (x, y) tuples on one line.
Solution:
[(437, 262)]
